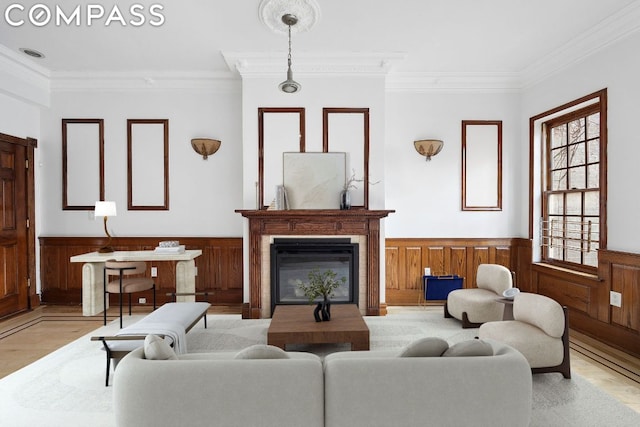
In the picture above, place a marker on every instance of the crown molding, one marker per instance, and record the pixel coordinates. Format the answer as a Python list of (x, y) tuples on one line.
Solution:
[(607, 32), (21, 78), (453, 82), (312, 64), (144, 81)]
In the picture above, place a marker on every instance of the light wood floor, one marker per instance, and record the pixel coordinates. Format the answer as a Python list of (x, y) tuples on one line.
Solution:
[(27, 337)]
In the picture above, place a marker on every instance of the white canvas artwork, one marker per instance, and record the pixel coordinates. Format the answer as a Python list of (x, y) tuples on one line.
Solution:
[(314, 180)]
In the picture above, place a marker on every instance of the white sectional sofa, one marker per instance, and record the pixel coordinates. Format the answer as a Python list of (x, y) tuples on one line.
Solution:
[(214, 389), (351, 389), (378, 388)]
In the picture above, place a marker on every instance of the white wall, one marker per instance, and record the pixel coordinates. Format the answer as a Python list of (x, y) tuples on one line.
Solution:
[(616, 68), (18, 117), (317, 93), (202, 194), (427, 195)]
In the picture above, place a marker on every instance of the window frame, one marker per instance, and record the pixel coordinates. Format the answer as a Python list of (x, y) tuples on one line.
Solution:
[(582, 107)]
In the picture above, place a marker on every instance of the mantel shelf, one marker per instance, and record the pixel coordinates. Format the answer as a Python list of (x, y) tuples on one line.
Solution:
[(293, 213)]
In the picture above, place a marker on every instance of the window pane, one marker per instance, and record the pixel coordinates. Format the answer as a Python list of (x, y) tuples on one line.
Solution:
[(576, 154), (593, 126), (593, 176), (577, 177), (573, 255), (573, 231), (559, 180), (590, 258), (559, 136), (592, 203), (576, 131), (594, 151), (574, 203), (556, 204), (555, 250), (559, 158)]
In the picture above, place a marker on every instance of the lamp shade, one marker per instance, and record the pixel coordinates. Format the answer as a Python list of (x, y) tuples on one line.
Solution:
[(205, 146), (428, 147), (105, 209)]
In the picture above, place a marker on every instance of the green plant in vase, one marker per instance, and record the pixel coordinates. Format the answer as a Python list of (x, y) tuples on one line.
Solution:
[(321, 284)]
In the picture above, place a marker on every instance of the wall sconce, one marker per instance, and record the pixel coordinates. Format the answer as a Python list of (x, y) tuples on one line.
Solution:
[(428, 147), (205, 146), (105, 209)]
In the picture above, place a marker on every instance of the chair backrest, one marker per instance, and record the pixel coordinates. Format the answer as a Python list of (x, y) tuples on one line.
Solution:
[(494, 277), (540, 311), (127, 267)]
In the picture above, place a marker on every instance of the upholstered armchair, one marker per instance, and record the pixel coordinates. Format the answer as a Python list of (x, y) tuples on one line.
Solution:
[(126, 283), (474, 306), (540, 331)]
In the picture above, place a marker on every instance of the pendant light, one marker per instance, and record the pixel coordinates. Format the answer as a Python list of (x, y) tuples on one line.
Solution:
[(290, 85)]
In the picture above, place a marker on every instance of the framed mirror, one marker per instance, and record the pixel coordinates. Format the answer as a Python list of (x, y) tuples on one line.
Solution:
[(347, 130), (481, 165), (280, 130), (82, 163), (148, 164)]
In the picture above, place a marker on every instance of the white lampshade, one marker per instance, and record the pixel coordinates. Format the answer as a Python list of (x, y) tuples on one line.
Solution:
[(105, 209)]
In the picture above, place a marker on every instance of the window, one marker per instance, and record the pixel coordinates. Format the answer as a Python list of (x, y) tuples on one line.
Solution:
[(573, 186)]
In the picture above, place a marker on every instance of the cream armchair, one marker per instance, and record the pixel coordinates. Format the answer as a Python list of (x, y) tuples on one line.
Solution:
[(474, 306), (540, 331)]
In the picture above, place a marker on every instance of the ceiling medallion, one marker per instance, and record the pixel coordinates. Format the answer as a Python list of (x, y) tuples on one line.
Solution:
[(272, 11)]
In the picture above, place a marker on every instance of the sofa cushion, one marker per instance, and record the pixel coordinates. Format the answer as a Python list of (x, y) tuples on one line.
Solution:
[(156, 348), (469, 348), (262, 351), (425, 347)]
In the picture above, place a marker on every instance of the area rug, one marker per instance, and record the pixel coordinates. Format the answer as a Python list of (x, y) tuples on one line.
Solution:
[(66, 387)]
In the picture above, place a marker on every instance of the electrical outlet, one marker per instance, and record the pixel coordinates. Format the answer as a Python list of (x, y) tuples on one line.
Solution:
[(142, 300), (154, 271), (615, 298)]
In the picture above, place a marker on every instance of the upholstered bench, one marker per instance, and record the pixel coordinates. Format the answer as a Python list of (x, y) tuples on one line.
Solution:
[(171, 321)]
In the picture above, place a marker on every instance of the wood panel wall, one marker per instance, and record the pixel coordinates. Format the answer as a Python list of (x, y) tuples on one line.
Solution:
[(587, 297), (406, 259), (221, 265), (220, 270)]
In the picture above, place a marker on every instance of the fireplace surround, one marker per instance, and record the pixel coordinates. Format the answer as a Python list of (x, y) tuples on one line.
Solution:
[(292, 259), (362, 225)]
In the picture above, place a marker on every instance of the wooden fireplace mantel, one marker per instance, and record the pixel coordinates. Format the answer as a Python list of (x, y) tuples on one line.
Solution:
[(303, 222)]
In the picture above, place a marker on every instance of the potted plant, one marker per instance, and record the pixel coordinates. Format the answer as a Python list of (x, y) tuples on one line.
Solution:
[(321, 284)]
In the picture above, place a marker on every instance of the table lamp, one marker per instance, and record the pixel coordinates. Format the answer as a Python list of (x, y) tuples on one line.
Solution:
[(105, 210)]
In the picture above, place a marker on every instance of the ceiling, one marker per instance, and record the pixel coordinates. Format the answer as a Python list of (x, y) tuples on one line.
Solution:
[(415, 37)]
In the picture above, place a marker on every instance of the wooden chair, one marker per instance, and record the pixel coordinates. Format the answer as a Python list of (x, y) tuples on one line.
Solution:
[(125, 284)]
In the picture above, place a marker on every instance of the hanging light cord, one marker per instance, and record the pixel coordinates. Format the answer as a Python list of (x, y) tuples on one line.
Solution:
[(289, 56)]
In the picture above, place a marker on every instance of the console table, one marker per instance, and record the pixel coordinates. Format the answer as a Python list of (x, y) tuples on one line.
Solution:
[(92, 274)]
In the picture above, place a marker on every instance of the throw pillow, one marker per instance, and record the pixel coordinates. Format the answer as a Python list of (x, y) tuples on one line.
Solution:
[(262, 351), (156, 348), (425, 347), (469, 348)]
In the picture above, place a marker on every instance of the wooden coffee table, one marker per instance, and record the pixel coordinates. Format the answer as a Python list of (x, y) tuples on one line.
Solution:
[(295, 324)]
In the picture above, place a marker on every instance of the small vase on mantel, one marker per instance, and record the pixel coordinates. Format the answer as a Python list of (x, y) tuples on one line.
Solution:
[(345, 200)]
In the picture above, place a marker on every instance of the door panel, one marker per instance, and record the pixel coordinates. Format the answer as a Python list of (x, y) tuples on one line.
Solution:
[(13, 229)]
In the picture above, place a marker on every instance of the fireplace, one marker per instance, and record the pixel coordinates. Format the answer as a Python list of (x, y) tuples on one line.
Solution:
[(293, 258)]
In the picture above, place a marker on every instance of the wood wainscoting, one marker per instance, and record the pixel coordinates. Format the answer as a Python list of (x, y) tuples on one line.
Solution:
[(587, 297), (406, 259), (220, 270)]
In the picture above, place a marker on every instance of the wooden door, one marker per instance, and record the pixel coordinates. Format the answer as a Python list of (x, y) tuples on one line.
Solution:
[(14, 234)]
